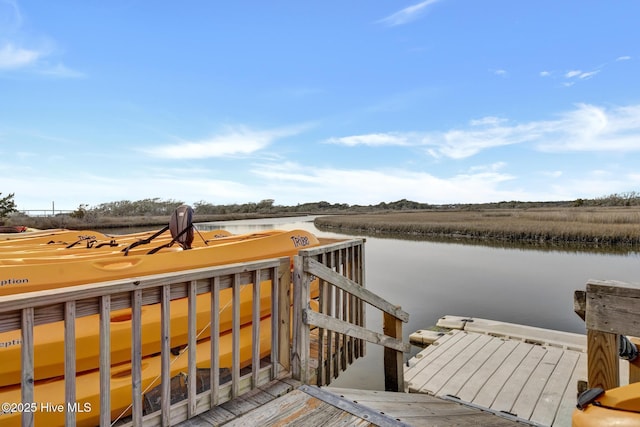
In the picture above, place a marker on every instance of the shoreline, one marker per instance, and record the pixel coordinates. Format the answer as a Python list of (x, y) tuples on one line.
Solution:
[(581, 228), (595, 228)]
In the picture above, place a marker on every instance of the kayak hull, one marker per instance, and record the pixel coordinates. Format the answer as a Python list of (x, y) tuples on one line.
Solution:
[(30, 277), (619, 407)]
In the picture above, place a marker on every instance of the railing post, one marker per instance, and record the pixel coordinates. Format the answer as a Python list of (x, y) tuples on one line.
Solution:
[(300, 356), (393, 359), (603, 369), (27, 364), (610, 310), (284, 318), (105, 360), (70, 360)]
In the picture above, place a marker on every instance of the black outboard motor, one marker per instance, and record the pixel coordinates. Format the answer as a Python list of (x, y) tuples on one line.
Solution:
[(181, 226)]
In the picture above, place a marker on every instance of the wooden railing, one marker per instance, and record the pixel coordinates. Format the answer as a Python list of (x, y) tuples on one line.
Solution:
[(338, 270), (610, 309), (334, 273), (27, 311)]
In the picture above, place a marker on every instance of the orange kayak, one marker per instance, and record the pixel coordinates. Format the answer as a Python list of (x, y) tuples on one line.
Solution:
[(33, 276), (618, 407)]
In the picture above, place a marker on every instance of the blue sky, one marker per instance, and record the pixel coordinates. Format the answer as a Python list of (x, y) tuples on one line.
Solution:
[(359, 102)]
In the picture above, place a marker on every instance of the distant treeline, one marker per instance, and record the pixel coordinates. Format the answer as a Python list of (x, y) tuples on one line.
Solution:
[(153, 212), (158, 207)]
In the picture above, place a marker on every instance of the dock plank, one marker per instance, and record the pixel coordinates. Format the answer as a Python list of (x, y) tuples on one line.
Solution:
[(422, 410), (472, 387), (532, 378), (536, 382), (553, 392), (474, 365), (495, 383), (414, 366), (511, 389), (569, 398), (299, 408), (455, 368), (438, 360)]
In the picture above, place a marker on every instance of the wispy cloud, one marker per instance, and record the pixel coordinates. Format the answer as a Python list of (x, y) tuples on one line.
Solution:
[(407, 14), (593, 128), (571, 77), (355, 185), (13, 57), (587, 128), (372, 139), (21, 51), (240, 141), (489, 120), (581, 75)]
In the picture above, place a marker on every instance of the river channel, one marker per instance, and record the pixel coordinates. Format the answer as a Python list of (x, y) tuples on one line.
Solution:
[(432, 279)]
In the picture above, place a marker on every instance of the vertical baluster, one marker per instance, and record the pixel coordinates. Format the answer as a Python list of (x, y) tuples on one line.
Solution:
[(136, 356), (105, 360), (70, 361)]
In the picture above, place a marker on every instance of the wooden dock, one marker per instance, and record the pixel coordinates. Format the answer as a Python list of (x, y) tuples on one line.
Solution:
[(530, 373), (289, 402)]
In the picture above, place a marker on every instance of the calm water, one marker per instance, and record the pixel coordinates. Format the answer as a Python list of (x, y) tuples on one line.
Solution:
[(429, 280)]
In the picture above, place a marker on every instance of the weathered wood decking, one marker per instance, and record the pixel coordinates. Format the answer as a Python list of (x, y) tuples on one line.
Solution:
[(289, 402)]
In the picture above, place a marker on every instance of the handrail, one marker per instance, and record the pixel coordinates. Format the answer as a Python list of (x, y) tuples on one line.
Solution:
[(29, 310), (609, 309), (339, 268)]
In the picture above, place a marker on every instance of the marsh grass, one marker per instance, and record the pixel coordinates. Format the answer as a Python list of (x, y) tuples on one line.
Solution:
[(104, 222), (602, 226)]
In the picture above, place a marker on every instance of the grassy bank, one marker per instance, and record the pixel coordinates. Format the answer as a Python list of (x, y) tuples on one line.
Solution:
[(619, 226)]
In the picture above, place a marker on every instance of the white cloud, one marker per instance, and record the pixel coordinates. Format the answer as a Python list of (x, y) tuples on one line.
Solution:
[(373, 139), (500, 72), (588, 75), (12, 57), (592, 128), (31, 56), (407, 14), (587, 128), (235, 142), (623, 58), (487, 121), (545, 73), (305, 183), (579, 74)]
